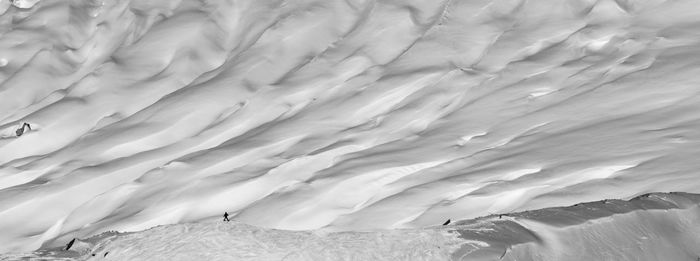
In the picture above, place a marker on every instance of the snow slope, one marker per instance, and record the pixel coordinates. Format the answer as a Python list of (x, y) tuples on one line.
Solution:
[(651, 227), (337, 114)]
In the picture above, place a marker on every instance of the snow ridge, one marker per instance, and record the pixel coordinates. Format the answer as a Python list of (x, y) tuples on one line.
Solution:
[(649, 227), (346, 115)]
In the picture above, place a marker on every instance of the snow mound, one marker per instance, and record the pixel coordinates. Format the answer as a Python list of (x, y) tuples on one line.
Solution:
[(650, 227), (340, 114), (24, 3)]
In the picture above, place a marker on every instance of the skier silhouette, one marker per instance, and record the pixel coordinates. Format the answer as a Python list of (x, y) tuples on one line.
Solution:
[(20, 131), (226, 216)]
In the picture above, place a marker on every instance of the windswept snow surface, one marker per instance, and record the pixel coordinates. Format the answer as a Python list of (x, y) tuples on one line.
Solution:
[(651, 227), (342, 115)]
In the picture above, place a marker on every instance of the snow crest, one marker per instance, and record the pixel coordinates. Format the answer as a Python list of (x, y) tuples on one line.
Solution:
[(649, 227), (334, 114)]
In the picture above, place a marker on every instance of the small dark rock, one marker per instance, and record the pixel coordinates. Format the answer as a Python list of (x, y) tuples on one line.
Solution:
[(70, 244), (20, 131)]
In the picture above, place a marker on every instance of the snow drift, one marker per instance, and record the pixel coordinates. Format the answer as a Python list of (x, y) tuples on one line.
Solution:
[(649, 227), (343, 115)]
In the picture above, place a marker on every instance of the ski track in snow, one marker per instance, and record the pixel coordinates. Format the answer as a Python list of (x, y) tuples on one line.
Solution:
[(338, 115)]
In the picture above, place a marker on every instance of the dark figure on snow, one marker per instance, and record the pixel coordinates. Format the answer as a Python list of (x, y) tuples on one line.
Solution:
[(446, 223), (70, 244), (226, 216), (20, 131)]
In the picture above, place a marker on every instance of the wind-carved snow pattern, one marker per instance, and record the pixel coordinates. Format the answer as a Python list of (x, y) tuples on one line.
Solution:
[(342, 115), (656, 226)]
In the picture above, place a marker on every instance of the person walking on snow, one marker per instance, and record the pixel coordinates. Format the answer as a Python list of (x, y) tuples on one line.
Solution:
[(226, 217)]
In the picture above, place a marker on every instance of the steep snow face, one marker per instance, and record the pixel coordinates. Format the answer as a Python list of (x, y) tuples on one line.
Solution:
[(650, 227), (339, 114)]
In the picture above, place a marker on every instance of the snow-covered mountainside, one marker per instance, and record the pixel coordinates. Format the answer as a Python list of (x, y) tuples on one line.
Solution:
[(344, 115), (651, 227)]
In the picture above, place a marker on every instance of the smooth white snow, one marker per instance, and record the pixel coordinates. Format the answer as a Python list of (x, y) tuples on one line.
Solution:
[(341, 115)]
